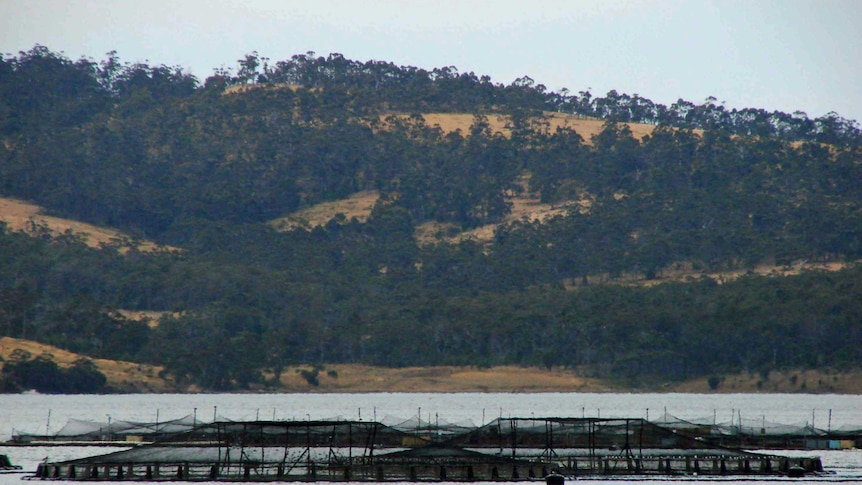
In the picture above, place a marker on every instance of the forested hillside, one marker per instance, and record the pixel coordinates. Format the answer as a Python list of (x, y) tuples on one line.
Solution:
[(202, 167)]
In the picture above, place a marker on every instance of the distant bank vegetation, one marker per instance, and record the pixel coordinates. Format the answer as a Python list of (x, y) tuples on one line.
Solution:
[(160, 156)]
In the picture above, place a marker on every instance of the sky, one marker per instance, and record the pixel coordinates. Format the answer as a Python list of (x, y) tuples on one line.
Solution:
[(786, 55)]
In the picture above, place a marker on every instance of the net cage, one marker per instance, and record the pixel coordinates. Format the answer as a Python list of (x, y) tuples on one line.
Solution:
[(574, 433), (113, 430), (413, 450), (739, 426), (743, 432), (736, 432)]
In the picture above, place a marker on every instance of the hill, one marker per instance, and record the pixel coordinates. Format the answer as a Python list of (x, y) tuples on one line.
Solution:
[(397, 218)]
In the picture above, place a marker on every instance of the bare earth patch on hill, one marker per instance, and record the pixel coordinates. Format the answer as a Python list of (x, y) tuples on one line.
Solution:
[(26, 217)]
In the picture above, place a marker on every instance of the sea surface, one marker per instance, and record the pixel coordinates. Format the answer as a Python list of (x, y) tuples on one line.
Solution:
[(46, 414)]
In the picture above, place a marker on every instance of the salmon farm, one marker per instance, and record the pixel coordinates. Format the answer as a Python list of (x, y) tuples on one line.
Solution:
[(506, 449)]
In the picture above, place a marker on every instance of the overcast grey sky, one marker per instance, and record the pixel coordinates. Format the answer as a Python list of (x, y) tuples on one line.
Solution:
[(774, 54)]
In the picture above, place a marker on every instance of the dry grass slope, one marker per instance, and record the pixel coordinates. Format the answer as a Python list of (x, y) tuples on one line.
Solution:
[(124, 376), (26, 217), (151, 318), (525, 206), (358, 205), (360, 378), (586, 127)]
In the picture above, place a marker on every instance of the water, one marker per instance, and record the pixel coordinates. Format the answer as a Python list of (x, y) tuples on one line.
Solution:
[(38, 414)]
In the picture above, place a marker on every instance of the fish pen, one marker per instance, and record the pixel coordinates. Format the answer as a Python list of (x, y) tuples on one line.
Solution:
[(764, 434), (83, 432), (592, 446), (507, 449)]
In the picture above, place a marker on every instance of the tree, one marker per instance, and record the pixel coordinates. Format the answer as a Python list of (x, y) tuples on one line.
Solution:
[(44, 375)]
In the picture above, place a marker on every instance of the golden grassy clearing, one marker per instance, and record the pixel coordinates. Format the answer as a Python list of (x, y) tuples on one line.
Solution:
[(151, 318), (786, 381), (525, 206), (451, 122), (26, 217), (361, 378), (783, 270), (358, 205), (681, 272), (244, 88), (586, 127), (124, 376)]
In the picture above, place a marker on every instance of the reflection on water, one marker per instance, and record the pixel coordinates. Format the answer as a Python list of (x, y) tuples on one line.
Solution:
[(47, 414)]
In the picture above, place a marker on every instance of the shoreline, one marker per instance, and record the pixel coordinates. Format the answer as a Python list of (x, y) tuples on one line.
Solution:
[(134, 378), (361, 379)]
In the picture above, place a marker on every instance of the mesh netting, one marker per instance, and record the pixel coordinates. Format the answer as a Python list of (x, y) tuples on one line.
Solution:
[(666, 431)]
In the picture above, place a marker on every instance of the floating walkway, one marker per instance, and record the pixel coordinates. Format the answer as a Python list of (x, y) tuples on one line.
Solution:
[(507, 449)]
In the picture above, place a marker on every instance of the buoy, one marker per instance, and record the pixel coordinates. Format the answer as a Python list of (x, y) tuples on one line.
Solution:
[(555, 479), (6, 464)]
